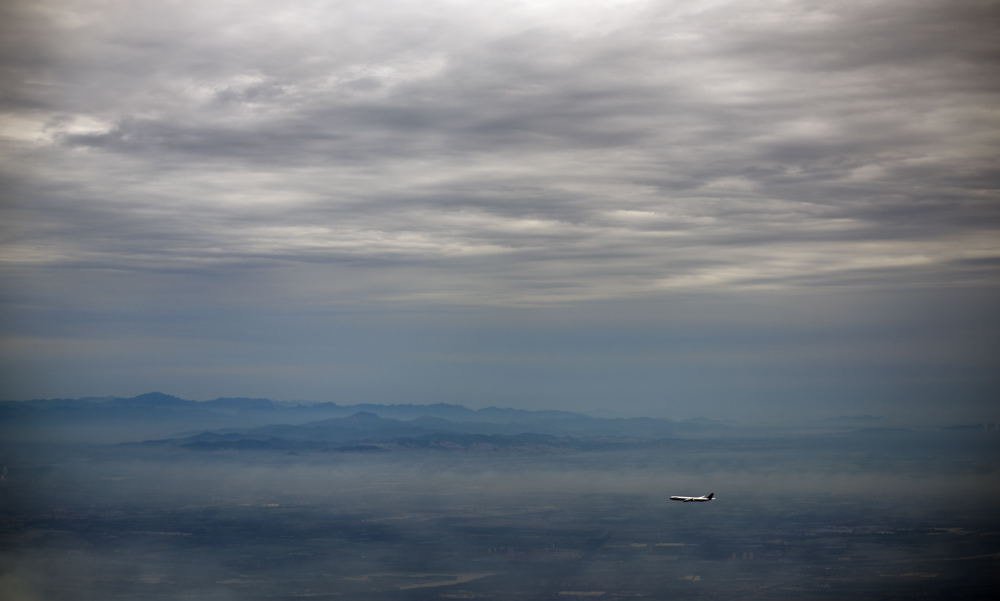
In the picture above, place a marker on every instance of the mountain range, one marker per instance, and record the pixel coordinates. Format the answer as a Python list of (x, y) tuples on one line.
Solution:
[(265, 423)]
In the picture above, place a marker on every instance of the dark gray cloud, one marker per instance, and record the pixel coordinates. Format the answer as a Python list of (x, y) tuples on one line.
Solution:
[(452, 154)]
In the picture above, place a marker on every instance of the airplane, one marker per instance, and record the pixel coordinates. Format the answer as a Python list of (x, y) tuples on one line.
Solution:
[(707, 497)]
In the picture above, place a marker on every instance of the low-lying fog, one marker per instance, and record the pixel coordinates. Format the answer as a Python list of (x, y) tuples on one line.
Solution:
[(379, 481)]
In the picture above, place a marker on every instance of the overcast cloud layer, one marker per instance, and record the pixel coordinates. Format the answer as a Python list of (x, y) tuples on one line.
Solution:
[(197, 193)]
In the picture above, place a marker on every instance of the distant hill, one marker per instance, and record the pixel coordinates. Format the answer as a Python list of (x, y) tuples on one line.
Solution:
[(156, 415), (366, 431)]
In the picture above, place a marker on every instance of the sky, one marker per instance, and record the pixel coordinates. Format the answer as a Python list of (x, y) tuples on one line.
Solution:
[(732, 209)]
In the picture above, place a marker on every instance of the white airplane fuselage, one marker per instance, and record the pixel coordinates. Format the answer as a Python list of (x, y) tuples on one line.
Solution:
[(702, 499)]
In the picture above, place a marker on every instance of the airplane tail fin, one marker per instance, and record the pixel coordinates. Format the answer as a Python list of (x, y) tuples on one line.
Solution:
[(710, 496)]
